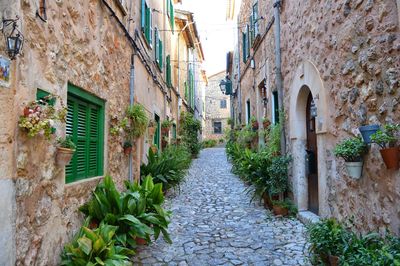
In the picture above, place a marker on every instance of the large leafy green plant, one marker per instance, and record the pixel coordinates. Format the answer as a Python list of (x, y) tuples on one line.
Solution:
[(388, 137), (95, 247), (351, 150), (169, 167), (128, 210)]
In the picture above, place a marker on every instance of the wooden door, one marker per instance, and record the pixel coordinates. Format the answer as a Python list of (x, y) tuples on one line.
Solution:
[(312, 158)]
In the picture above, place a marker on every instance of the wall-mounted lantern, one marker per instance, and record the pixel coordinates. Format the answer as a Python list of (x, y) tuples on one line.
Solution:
[(13, 37), (226, 86), (252, 63), (313, 109)]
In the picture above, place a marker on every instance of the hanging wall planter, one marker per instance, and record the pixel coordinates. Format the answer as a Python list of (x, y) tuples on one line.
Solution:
[(65, 151), (127, 147), (387, 138), (367, 131), (354, 169), (352, 151)]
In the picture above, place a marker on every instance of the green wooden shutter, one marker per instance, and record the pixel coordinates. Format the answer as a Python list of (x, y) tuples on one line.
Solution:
[(156, 45), (172, 16), (143, 15), (84, 124), (160, 54), (147, 24), (251, 29), (248, 42), (168, 71), (157, 134), (244, 47)]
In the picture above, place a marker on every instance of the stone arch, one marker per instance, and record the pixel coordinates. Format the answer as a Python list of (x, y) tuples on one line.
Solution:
[(307, 79)]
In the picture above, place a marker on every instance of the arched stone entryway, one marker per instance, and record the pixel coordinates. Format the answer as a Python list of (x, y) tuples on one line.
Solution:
[(307, 81)]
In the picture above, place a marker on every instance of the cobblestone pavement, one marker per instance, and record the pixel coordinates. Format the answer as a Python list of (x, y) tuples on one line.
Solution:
[(214, 223)]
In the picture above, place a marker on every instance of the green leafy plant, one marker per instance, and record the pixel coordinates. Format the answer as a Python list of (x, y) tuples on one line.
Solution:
[(136, 121), (95, 247), (351, 150), (209, 143), (387, 137), (167, 123), (129, 211), (40, 116), (169, 167), (189, 128), (66, 143), (278, 172), (288, 204)]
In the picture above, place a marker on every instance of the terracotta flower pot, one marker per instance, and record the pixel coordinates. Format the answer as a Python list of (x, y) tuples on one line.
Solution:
[(154, 149), (64, 156), (333, 260), (266, 124), (279, 210), (152, 131), (391, 157), (164, 130), (141, 241), (127, 150)]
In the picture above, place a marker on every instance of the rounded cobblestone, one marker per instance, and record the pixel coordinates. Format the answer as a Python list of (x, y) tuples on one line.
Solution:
[(214, 223)]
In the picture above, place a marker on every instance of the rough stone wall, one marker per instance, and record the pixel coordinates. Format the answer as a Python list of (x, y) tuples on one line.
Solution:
[(355, 45), (213, 110), (81, 44)]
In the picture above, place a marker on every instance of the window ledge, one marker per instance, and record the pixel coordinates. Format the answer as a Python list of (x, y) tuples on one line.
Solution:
[(82, 181)]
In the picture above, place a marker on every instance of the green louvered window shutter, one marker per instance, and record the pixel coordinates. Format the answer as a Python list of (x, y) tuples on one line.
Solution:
[(85, 123), (172, 16), (248, 44), (244, 47), (143, 15), (156, 50), (168, 70), (160, 54)]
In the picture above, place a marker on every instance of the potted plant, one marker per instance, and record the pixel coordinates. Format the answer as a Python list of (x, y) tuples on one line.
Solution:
[(154, 148), (352, 151), (65, 150), (387, 139), (266, 123), (151, 128), (367, 131), (254, 123), (40, 116), (165, 126), (135, 121), (127, 147), (280, 207)]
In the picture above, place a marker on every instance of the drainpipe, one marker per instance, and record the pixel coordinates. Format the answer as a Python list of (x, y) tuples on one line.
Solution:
[(239, 93), (131, 102), (279, 85)]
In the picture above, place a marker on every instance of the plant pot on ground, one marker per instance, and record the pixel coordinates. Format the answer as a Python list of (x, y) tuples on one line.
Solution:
[(333, 260), (352, 151), (127, 147), (367, 131), (387, 139), (65, 150)]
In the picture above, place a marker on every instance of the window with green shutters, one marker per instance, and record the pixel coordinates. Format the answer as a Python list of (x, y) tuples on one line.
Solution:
[(85, 123), (171, 15), (246, 44), (174, 131), (156, 140), (158, 49), (147, 21), (168, 71), (186, 91)]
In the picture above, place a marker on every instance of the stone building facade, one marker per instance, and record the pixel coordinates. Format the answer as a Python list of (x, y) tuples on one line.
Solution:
[(345, 58), (217, 107), (97, 55)]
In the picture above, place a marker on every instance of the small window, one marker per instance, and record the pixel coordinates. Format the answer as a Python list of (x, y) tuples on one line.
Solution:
[(85, 124), (147, 21), (217, 127), (275, 108), (156, 140), (248, 112), (222, 104)]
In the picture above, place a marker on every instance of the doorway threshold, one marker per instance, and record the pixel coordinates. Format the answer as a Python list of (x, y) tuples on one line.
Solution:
[(307, 217)]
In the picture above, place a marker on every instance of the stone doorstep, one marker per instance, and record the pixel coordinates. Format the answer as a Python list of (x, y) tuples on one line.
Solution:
[(307, 217)]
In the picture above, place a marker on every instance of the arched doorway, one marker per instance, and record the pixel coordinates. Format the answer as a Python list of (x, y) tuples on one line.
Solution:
[(307, 130), (312, 155)]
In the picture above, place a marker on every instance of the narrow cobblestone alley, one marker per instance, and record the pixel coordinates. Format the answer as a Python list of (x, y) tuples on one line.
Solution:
[(214, 223)]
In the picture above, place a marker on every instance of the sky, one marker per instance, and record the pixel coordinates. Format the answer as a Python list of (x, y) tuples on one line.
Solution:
[(217, 35)]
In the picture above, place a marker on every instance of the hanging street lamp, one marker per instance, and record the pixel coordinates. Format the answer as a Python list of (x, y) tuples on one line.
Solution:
[(226, 86), (13, 37)]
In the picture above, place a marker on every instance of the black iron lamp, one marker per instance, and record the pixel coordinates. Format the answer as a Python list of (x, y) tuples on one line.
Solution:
[(13, 37), (226, 86), (313, 110)]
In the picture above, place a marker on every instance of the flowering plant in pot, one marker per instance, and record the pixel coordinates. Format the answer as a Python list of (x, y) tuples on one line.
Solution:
[(65, 150), (40, 116), (254, 123), (127, 147), (387, 139), (352, 151)]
